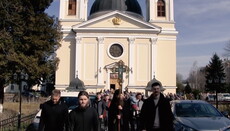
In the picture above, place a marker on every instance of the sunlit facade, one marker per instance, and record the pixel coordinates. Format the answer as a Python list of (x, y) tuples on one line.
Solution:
[(92, 45)]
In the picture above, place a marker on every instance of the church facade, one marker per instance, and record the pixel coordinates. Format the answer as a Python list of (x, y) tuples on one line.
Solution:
[(115, 46)]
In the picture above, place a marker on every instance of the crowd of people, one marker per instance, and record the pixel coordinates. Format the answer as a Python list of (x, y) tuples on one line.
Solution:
[(110, 111)]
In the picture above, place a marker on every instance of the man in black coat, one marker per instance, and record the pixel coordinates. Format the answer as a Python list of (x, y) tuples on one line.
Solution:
[(54, 114), (84, 117), (156, 114)]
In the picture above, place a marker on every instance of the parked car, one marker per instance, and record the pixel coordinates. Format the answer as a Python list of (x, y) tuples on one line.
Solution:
[(226, 96), (211, 97), (197, 115), (225, 128)]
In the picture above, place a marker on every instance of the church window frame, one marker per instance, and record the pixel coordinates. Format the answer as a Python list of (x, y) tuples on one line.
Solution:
[(72, 7), (161, 12), (120, 53)]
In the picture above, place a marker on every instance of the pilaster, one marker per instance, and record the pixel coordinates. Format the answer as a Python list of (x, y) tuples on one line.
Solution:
[(78, 57), (171, 8), (100, 60), (154, 56), (131, 60), (82, 9)]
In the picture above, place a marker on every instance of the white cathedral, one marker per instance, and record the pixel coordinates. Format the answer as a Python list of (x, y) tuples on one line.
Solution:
[(114, 32)]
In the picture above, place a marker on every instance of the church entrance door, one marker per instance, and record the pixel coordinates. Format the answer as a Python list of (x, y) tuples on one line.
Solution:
[(114, 82)]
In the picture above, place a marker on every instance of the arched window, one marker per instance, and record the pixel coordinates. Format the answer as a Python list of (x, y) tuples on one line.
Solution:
[(72, 7), (161, 8)]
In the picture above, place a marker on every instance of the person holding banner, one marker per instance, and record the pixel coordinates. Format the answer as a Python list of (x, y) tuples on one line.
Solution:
[(115, 113)]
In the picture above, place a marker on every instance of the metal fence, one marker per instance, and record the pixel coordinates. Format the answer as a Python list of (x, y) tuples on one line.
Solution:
[(11, 124)]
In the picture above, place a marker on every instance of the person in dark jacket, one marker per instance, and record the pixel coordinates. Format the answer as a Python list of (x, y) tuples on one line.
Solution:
[(107, 102), (127, 112), (84, 117), (54, 114), (156, 114), (116, 112), (99, 105)]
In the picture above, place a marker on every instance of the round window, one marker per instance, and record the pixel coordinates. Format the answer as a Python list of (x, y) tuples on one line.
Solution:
[(116, 50)]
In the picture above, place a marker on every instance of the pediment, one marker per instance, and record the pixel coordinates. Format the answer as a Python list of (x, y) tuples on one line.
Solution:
[(114, 65), (116, 21), (110, 66)]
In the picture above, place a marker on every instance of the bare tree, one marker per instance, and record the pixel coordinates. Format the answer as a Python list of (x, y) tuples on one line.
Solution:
[(179, 83), (192, 79), (226, 61), (179, 78), (226, 64), (197, 77), (227, 49)]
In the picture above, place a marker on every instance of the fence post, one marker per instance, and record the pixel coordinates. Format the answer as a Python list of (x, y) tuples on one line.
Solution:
[(11, 123), (1, 108)]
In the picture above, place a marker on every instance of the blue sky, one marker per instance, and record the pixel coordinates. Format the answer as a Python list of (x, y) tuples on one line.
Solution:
[(203, 26)]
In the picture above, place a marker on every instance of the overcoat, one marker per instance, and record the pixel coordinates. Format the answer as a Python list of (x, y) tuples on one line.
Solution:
[(83, 120), (53, 116), (147, 115)]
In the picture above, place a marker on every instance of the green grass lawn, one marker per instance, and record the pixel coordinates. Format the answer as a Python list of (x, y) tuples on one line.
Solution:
[(27, 108)]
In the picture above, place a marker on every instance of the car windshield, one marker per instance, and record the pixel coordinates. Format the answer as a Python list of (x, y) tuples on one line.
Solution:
[(211, 96), (71, 102), (196, 110)]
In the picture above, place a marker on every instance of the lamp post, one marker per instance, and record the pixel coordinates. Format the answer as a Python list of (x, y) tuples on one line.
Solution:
[(19, 77), (216, 82)]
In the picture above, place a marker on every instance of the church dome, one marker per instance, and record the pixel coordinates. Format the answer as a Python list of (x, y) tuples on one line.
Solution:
[(104, 6), (149, 85), (76, 84)]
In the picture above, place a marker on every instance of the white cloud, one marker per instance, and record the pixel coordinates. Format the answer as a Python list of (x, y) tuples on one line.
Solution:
[(202, 22), (184, 64), (200, 7), (202, 60), (200, 41)]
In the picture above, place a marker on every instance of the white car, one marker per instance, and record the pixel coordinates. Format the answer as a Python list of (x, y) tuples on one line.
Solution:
[(226, 97)]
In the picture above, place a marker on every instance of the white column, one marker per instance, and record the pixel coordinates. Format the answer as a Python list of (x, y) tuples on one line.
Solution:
[(108, 79), (152, 10), (171, 10), (154, 56), (147, 10), (78, 57), (83, 9), (100, 60), (86, 10), (62, 8), (131, 60)]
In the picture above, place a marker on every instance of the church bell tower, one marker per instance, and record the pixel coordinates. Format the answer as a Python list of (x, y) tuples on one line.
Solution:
[(158, 11), (73, 10)]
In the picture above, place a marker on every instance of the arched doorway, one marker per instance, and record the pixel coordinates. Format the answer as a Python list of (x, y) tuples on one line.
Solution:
[(114, 82)]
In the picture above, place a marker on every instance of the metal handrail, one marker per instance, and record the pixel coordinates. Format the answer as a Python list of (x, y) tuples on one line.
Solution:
[(11, 123)]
